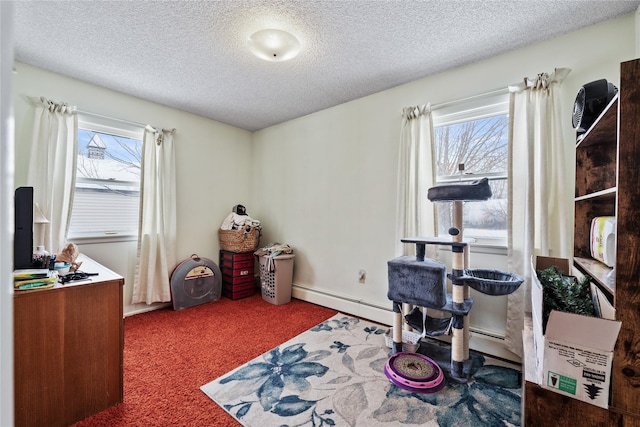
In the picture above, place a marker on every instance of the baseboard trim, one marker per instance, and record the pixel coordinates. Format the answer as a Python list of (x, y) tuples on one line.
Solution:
[(145, 309), (478, 341)]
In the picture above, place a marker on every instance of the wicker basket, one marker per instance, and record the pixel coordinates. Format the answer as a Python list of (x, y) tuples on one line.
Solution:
[(239, 240)]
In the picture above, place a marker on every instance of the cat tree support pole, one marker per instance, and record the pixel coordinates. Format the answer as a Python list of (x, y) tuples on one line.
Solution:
[(467, 295), (460, 291), (397, 328)]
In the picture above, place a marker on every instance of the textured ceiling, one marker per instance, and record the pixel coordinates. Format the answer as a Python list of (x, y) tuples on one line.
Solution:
[(193, 55)]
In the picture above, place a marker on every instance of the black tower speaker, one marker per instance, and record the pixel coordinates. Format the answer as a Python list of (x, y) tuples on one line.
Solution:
[(23, 237)]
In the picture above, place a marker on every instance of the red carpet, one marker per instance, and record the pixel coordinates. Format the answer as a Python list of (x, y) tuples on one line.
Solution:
[(169, 354)]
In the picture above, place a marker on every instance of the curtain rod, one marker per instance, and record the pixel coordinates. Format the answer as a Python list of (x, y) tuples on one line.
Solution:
[(128, 122), (76, 110), (501, 91), (100, 116), (562, 72)]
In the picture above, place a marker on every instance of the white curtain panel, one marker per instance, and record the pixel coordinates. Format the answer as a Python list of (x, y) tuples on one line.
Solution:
[(540, 187), (415, 215), (157, 235), (52, 167)]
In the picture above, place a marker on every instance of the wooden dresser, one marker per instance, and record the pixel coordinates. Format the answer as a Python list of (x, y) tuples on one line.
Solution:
[(68, 349)]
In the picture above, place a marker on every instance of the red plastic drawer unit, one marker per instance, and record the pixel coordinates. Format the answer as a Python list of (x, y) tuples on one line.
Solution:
[(237, 274)]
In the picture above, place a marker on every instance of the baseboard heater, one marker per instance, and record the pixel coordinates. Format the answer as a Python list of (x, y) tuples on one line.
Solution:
[(480, 340)]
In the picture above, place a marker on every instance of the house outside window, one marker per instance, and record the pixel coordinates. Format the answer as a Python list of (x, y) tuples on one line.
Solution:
[(96, 147), (107, 193), (471, 142)]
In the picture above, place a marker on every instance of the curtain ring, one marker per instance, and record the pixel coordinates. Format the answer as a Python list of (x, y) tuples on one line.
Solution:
[(411, 113)]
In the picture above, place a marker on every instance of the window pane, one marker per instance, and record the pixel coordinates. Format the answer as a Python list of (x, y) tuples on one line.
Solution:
[(480, 219), (481, 145), (108, 157), (107, 194)]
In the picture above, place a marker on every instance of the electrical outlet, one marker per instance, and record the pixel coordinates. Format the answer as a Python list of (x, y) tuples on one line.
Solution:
[(362, 276)]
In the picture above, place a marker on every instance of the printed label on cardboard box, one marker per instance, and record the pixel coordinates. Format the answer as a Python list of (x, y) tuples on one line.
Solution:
[(561, 383)]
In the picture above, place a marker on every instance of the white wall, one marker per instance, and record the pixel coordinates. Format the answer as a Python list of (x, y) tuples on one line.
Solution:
[(212, 161), (326, 183)]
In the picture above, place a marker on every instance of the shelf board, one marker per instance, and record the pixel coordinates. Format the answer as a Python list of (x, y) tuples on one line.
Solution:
[(598, 272), (603, 127), (602, 193)]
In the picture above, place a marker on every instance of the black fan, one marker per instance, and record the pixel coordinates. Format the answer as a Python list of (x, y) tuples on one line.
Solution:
[(592, 98)]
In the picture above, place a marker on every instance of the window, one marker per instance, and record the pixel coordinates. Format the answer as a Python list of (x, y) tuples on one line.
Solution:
[(107, 193), (471, 141)]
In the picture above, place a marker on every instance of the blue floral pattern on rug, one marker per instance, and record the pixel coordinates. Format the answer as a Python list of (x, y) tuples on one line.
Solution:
[(333, 375)]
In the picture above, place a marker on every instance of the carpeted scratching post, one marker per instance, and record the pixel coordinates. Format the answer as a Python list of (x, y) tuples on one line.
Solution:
[(460, 292)]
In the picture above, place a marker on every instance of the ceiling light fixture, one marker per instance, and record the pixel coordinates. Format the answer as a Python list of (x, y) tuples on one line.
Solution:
[(274, 45)]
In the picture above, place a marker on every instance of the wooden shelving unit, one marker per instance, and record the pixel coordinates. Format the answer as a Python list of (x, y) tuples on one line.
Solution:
[(607, 184)]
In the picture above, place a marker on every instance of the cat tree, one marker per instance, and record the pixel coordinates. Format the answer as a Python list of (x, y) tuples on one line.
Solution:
[(421, 282)]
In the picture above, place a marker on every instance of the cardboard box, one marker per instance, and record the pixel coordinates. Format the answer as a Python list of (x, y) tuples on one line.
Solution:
[(575, 356)]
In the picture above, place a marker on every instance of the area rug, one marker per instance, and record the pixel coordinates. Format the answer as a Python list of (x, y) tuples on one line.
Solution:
[(333, 375)]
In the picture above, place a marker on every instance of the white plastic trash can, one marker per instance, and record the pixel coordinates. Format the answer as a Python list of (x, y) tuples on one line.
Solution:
[(276, 278)]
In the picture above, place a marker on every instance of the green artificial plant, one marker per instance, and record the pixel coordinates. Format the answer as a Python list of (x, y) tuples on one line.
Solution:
[(564, 293)]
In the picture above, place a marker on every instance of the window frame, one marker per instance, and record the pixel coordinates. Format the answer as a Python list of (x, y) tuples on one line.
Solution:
[(465, 110), (111, 126)]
